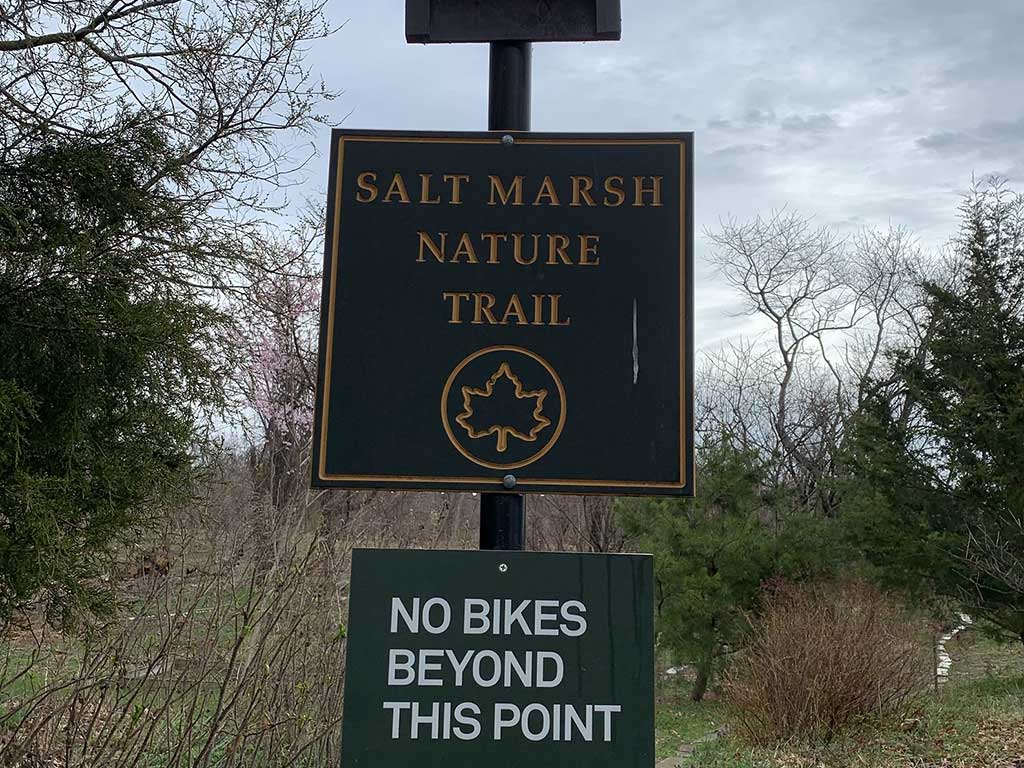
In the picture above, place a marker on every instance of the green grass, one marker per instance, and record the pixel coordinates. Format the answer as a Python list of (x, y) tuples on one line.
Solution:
[(677, 720), (976, 721), (977, 658), (25, 669), (685, 723)]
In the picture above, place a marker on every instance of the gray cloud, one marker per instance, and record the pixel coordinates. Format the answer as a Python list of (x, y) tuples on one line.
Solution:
[(995, 134), (818, 124), (1014, 174), (738, 150), (752, 118), (859, 113), (944, 140)]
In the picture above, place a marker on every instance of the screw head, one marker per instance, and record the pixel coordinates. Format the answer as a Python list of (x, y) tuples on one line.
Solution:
[(503, 568), (509, 481), (508, 140)]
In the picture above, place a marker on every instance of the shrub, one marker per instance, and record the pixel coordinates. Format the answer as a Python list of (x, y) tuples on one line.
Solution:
[(712, 554), (821, 656), (231, 655)]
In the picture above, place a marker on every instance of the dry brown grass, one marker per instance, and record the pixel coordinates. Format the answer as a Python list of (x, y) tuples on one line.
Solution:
[(229, 648)]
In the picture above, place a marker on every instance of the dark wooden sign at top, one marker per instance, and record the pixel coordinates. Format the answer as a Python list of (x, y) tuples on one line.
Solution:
[(480, 21), (497, 305)]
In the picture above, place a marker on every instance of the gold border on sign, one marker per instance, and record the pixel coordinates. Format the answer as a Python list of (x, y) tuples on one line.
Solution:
[(520, 139), (451, 433)]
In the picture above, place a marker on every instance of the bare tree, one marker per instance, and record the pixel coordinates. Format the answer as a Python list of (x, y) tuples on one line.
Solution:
[(575, 524), (222, 79), (275, 376), (995, 551), (831, 307)]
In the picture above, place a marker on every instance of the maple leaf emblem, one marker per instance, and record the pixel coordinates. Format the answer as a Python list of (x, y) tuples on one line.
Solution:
[(503, 430)]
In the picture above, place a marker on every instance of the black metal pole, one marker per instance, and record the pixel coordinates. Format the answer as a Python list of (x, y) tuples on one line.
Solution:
[(503, 515), (508, 101), (502, 521)]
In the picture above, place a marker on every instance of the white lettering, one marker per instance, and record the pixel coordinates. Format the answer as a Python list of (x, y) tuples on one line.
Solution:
[(545, 722), (470, 720), (398, 610), (474, 618), (516, 615), (541, 614), (607, 710), (575, 618), (405, 666), (549, 682), (427, 666), (396, 708), (586, 728), (495, 660), (431, 719), (459, 666), (501, 722), (524, 671), (446, 615)]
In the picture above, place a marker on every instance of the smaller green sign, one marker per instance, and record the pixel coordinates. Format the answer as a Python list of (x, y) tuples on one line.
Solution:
[(534, 659)]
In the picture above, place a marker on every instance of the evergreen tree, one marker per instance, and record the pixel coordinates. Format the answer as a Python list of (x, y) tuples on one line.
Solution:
[(937, 489), (107, 359), (713, 553)]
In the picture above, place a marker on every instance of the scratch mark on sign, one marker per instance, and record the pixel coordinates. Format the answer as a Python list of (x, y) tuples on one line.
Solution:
[(636, 348)]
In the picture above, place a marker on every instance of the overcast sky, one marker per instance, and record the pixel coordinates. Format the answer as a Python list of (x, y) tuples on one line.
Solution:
[(859, 112)]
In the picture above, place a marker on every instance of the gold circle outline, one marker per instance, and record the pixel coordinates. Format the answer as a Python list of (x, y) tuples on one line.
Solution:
[(447, 389)]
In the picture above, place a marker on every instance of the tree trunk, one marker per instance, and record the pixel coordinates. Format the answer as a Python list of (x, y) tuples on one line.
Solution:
[(700, 685)]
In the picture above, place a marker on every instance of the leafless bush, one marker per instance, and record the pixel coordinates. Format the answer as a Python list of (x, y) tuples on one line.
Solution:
[(823, 656), (574, 524), (233, 656), (229, 648)]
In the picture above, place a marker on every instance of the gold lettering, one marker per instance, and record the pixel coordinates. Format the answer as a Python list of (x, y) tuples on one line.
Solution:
[(397, 188), (428, 241), (498, 189), (514, 307), (536, 247), (618, 192), (547, 191), (483, 303), (425, 190), (556, 248), (587, 248), (456, 180), (365, 181), (554, 311), (517, 249), (641, 190), (465, 248), (581, 186), (538, 309), (493, 238), (456, 298)]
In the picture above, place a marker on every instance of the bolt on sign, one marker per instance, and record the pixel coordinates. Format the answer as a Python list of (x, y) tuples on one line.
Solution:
[(507, 304), (499, 659)]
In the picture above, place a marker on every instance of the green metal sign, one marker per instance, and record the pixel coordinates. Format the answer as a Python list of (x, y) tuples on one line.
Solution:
[(499, 659)]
